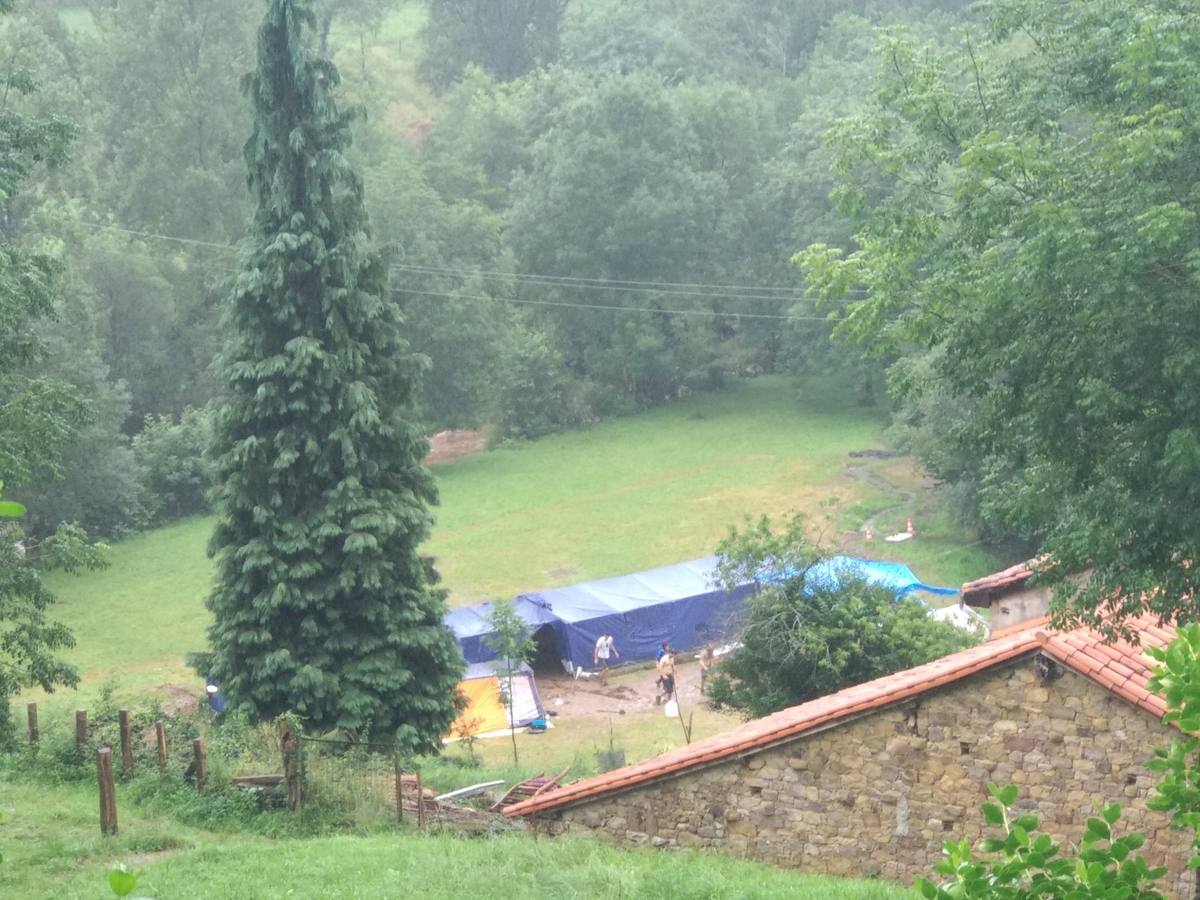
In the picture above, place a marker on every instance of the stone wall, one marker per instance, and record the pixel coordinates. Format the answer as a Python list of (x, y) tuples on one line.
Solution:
[(879, 794), (1014, 607)]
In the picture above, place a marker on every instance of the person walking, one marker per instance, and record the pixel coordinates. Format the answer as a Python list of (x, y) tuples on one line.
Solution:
[(606, 648)]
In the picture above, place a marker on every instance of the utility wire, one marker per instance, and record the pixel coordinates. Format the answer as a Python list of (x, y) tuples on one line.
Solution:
[(715, 314), (400, 292), (592, 282), (556, 281)]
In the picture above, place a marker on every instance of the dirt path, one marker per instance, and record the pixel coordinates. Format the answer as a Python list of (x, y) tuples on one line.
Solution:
[(449, 445), (866, 469), (628, 692)]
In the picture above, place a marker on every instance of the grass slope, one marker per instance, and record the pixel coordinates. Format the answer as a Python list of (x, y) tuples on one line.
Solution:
[(53, 849), (624, 495)]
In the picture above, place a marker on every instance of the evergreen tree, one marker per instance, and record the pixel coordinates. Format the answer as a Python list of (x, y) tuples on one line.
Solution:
[(323, 605)]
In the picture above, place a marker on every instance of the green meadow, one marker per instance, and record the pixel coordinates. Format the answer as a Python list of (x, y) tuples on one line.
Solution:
[(624, 495)]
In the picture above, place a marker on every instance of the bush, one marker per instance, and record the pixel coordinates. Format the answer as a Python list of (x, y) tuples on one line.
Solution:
[(1023, 864), (802, 640), (530, 390), (174, 467)]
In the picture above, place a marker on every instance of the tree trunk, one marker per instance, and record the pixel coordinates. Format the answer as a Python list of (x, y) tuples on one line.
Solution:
[(326, 24), (512, 725)]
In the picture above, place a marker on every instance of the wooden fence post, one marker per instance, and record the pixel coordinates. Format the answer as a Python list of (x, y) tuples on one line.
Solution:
[(420, 803), (289, 745), (31, 714), (199, 763), (80, 727), (160, 740), (126, 744), (108, 791), (399, 788)]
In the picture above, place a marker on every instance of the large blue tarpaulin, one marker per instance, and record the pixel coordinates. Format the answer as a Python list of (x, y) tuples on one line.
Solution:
[(472, 627), (828, 573), (680, 604)]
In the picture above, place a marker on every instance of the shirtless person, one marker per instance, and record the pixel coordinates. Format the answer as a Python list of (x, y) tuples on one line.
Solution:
[(666, 677)]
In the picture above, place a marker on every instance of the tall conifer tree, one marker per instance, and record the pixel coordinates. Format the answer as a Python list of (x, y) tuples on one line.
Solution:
[(323, 604)]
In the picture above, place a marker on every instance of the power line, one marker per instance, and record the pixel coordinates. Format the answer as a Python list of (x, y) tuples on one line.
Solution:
[(133, 232), (715, 314), (558, 281), (663, 286)]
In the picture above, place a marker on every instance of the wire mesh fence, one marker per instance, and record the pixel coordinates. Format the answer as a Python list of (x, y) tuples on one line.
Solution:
[(369, 784), (360, 783)]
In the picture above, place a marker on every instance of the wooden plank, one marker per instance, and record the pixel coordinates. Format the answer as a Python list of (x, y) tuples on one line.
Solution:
[(399, 786), (80, 727), (160, 742), (31, 715), (290, 748), (199, 763), (108, 791), (264, 781), (552, 782), (420, 803), (126, 744)]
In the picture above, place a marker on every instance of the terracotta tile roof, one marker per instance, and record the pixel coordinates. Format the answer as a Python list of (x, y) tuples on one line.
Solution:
[(980, 591), (1120, 668)]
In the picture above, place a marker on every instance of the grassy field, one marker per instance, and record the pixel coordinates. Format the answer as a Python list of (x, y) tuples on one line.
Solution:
[(625, 495), (52, 850)]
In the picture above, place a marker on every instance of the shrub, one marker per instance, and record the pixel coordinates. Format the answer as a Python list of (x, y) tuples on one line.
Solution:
[(172, 460), (1023, 864), (802, 640)]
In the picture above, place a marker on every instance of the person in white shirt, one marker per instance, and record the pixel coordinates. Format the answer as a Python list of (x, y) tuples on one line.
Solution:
[(605, 649)]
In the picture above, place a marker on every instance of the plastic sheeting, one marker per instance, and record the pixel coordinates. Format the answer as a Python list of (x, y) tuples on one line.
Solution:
[(471, 626), (898, 577), (680, 604)]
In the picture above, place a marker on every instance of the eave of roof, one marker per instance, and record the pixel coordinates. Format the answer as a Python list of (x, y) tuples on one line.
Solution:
[(981, 591), (1119, 667)]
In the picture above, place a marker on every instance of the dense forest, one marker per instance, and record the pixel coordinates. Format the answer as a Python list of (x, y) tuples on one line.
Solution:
[(598, 213)]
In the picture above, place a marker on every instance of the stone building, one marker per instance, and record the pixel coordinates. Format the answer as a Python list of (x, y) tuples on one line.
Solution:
[(1008, 595), (871, 780)]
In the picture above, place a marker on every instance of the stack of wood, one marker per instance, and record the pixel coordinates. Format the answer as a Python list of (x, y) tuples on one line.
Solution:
[(528, 789)]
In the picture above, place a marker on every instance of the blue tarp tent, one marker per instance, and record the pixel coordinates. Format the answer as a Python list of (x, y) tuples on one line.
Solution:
[(471, 626), (679, 604)]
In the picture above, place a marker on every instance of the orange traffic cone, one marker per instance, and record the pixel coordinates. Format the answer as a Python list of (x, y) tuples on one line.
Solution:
[(911, 530), (870, 534)]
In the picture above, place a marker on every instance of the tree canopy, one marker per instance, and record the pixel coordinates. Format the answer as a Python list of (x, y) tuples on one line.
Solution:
[(1039, 246), (802, 640)]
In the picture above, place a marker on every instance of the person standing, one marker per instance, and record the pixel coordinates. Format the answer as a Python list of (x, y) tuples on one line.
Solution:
[(606, 648), (706, 664), (666, 677)]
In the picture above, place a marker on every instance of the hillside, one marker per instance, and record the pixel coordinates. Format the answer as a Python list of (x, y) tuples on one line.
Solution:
[(52, 850)]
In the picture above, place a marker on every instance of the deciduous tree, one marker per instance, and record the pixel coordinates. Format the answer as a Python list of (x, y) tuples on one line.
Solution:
[(804, 638), (1042, 237)]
